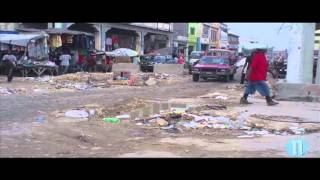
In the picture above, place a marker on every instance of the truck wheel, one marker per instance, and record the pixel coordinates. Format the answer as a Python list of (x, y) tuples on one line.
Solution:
[(226, 78), (195, 77), (205, 78)]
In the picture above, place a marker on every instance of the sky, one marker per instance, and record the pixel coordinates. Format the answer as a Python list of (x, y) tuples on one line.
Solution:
[(266, 33)]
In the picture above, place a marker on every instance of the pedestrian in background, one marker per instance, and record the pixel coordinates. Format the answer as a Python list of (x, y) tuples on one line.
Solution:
[(257, 76), (65, 61), (9, 62)]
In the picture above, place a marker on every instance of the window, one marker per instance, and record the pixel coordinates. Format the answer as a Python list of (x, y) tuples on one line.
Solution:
[(192, 31), (205, 31), (214, 35), (316, 41)]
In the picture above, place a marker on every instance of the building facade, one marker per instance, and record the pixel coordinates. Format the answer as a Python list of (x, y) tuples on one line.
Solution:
[(233, 41), (193, 37), (224, 42), (180, 38)]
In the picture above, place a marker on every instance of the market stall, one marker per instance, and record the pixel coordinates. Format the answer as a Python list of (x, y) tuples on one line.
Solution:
[(31, 51)]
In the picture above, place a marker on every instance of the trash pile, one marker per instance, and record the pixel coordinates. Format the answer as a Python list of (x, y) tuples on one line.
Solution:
[(139, 79), (215, 95), (77, 114), (6, 91), (179, 119), (79, 80), (9, 91), (282, 125)]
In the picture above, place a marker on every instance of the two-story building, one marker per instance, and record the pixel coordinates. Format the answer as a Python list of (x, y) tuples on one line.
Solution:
[(142, 37), (233, 42)]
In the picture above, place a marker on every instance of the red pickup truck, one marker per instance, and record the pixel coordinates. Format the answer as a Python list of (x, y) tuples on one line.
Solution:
[(213, 67)]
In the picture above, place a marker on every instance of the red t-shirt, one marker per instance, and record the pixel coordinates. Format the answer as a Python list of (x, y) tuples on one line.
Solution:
[(259, 66)]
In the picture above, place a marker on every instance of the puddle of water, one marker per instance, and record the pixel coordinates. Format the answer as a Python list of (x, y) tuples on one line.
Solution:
[(157, 108)]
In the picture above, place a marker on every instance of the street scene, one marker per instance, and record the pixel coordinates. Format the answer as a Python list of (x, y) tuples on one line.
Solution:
[(160, 90)]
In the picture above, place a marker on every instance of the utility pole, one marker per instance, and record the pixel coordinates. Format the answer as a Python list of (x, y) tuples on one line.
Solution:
[(318, 68), (187, 48)]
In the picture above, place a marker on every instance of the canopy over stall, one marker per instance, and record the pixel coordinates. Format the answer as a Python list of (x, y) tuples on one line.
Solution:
[(20, 39)]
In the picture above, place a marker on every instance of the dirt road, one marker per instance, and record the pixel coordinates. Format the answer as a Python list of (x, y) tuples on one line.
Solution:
[(23, 136)]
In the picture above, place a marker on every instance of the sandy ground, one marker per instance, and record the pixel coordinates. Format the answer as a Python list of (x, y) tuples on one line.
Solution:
[(23, 136)]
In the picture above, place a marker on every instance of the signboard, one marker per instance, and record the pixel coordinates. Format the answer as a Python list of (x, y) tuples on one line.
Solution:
[(182, 38), (204, 40), (149, 25), (232, 46), (164, 26), (175, 44), (224, 39)]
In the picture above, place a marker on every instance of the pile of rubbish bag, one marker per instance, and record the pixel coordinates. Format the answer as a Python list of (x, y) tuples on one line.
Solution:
[(6, 91), (187, 118)]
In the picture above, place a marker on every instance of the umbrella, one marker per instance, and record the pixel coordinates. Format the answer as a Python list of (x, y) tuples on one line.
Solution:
[(110, 54), (124, 52)]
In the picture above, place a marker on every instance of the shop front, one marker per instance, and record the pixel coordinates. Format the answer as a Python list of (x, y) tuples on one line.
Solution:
[(180, 45), (204, 44), (153, 42), (121, 38)]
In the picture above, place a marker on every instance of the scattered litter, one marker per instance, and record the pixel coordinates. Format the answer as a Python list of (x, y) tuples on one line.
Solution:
[(96, 148), (151, 82), (246, 136), (174, 130), (92, 112), (168, 127), (191, 124), (262, 132), (161, 122), (7, 91), (125, 116), (42, 91), (40, 119), (111, 120), (77, 114), (216, 107), (297, 131), (221, 97)]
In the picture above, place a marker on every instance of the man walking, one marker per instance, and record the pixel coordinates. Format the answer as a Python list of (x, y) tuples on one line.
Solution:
[(9, 62), (65, 62), (257, 75)]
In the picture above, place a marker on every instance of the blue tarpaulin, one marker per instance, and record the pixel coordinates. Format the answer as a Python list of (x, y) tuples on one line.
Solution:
[(9, 32)]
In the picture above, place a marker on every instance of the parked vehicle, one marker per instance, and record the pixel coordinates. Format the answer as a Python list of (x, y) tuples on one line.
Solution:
[(194, 58), (213, 67), (147, 62)]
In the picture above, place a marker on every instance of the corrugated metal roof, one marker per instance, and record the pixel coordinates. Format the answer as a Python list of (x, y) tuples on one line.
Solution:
[(55, 31)]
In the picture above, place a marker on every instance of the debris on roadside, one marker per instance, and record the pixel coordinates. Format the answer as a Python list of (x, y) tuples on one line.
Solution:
[(111, 120), (282, 124), (6, 91), (77, 114)]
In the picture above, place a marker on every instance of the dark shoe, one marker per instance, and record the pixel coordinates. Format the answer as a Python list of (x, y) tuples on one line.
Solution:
[(244, 101), (272, 103)]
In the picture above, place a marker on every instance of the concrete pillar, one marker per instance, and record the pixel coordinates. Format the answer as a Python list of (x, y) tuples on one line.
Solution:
[(138, 42), (97, 40), (318, 69), (50, 25), (103, 31), (300, 54), (140, 46)]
